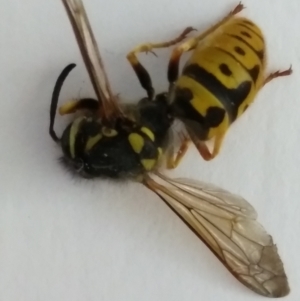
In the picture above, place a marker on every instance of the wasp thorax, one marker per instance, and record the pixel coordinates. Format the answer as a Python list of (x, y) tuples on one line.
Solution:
[(93, 150)]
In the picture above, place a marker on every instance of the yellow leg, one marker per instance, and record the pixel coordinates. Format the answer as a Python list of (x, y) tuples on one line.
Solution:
[(173, 160), (231, 14), (175, 58), (217, 144), (203, 149), (192, 43), (139, 69), (148, 47)]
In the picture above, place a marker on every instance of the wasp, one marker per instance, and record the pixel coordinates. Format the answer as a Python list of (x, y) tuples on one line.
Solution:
[(116, 141)]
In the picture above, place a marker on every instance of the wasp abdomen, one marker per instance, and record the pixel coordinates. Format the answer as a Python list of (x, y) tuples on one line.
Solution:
[(224, 72)]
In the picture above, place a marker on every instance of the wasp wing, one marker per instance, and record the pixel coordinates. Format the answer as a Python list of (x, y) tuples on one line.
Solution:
[(227, 224), (91, 56)]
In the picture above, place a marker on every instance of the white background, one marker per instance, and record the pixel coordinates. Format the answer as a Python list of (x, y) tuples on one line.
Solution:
[(64, 239)]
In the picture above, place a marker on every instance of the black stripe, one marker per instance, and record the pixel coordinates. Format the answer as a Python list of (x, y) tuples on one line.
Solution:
[(183, 108), (258, 53), (197, 123), (253, 31), (253, 72), (231, 99), (232, 56)]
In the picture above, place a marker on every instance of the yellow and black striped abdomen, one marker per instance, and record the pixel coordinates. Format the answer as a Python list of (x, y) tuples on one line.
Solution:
[(222, 76)]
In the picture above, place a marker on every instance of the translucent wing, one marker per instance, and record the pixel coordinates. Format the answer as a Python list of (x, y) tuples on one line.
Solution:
[(92, 58), (227, 224)]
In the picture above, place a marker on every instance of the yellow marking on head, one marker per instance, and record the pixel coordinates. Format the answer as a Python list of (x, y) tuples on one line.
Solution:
[(107, 132), (148, 132), (136, 141), (92, 141), (148, 163), (68, 108), (73, 133)]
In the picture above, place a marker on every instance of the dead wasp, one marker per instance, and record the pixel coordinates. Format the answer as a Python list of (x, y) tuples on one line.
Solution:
[(112, 141)]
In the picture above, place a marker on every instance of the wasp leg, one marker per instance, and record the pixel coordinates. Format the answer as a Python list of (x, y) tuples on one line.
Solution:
[(139, 69), (202, 147), (175, 58), (72, 106), (173, 160), (217, 144), (192, 43), (203, 150), (277, 74)]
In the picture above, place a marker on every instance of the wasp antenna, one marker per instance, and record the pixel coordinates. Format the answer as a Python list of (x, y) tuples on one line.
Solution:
[(55, 95)]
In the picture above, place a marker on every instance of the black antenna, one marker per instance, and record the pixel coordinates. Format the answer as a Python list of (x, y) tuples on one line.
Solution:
[(55, 95)]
